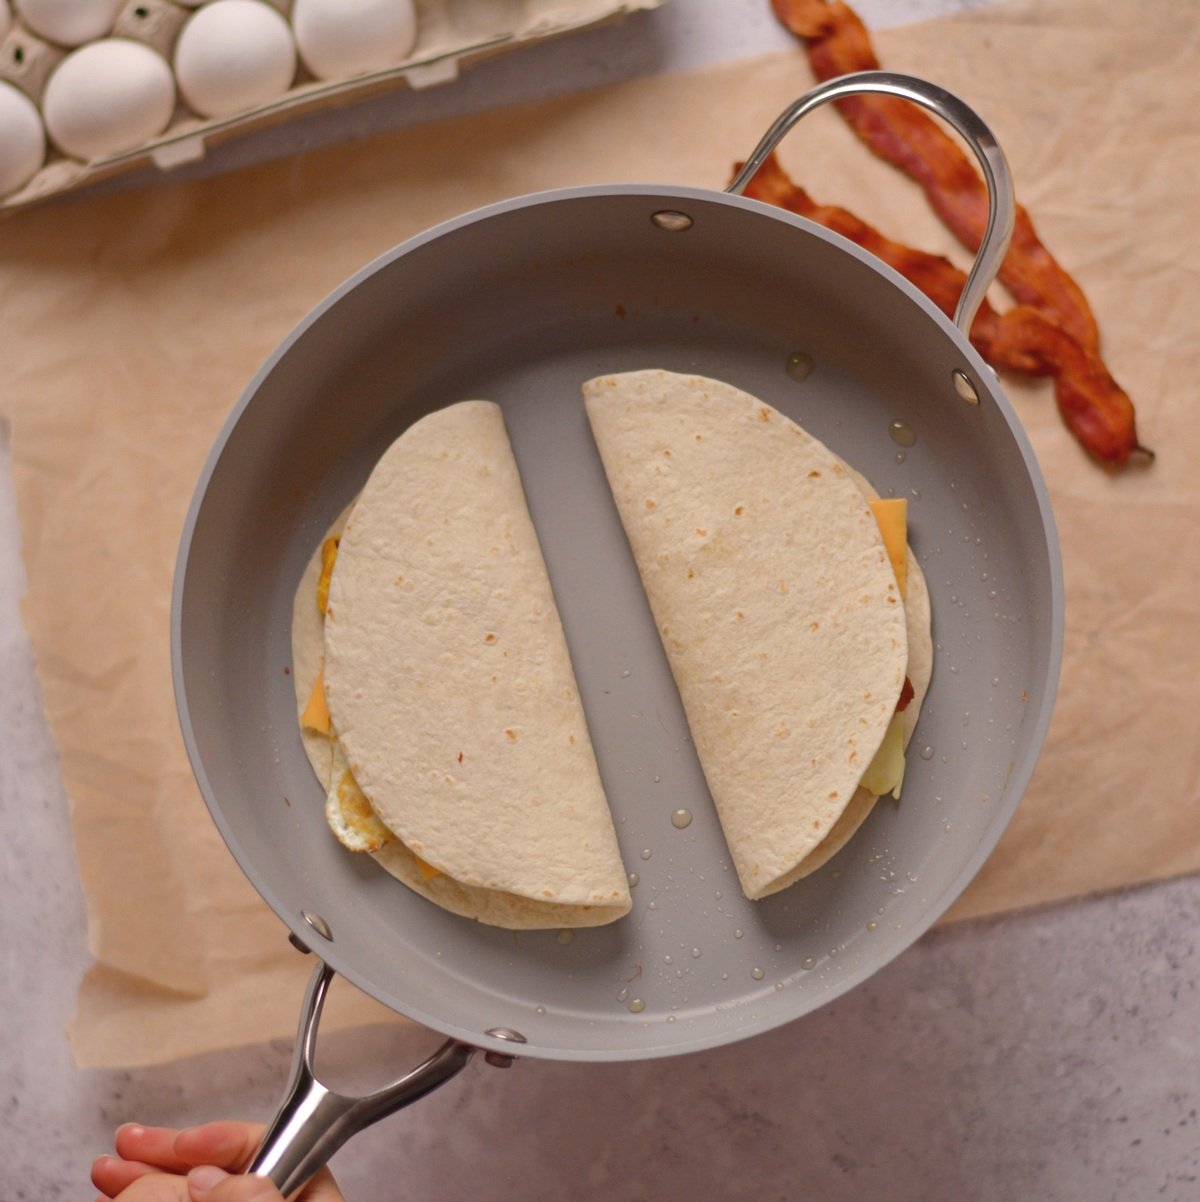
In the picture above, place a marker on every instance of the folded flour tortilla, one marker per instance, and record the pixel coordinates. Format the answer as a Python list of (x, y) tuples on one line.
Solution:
[(776, 603), (452, 701)]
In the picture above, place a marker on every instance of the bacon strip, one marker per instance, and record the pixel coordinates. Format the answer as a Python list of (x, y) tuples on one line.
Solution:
[(903, 135), (1093, 405)]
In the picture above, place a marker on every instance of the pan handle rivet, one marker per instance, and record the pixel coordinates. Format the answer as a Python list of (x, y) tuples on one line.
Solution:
[(318, 924), (671, 220), (500, 1059), (964, 387), (506, 1033)]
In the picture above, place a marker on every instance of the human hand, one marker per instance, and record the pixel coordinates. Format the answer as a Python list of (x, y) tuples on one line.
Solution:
[(199, 1164)]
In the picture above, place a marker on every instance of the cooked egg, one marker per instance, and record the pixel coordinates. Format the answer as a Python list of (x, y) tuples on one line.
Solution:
[(22, 139), (69, 22), (348, 811), (233, 55), (107, 97), (339, 38)]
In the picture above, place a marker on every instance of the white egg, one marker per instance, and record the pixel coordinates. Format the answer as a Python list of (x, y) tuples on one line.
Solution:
[(69, 22), (233, 55), (338, 38), (107, 97), (22, 139)]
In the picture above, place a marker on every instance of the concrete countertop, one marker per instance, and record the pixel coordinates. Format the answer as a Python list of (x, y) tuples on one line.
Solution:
[(1049, 1055)]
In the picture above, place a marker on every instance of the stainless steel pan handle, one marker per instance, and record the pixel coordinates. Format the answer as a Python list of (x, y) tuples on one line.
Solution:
[(313, 1122), (1002, 206)]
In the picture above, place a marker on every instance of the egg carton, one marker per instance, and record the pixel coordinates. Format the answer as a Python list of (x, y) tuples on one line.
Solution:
[(451, 34)]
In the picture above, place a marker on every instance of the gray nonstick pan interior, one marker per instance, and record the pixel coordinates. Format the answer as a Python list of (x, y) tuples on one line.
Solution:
[(520, 304)]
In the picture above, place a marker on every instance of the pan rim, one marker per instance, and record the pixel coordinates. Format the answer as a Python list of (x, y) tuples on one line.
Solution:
[(674, 1040)]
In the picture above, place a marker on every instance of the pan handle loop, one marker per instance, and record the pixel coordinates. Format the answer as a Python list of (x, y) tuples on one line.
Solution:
[(1001, 202), (313, 1122)]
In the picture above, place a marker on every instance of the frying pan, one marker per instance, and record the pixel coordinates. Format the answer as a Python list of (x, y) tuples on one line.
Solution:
[(520, 303)]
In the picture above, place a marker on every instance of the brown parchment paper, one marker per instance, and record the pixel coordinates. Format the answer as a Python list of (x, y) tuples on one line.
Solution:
[(132, 322)]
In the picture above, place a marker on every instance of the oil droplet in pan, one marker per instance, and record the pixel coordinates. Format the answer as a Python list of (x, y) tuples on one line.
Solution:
[(799, 366), (757, 974), (681, 819), (903, 434), (646, 853), (636, 1005), (566, 936), (633, 880)]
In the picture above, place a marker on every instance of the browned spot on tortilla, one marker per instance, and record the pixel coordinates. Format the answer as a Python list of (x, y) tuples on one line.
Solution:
[(738, 510), (812, 474), (649, 502), (489, 638), (512, 735), (814, 625), (460, 757), (833, 794), (701, 531), (764, 414)]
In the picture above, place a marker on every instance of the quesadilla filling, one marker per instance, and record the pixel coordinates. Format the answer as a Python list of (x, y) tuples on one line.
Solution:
[(885, 774)]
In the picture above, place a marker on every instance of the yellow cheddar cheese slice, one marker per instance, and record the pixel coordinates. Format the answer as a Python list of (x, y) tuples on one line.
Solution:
[(316, 712), (328, 555), (892, 515)]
